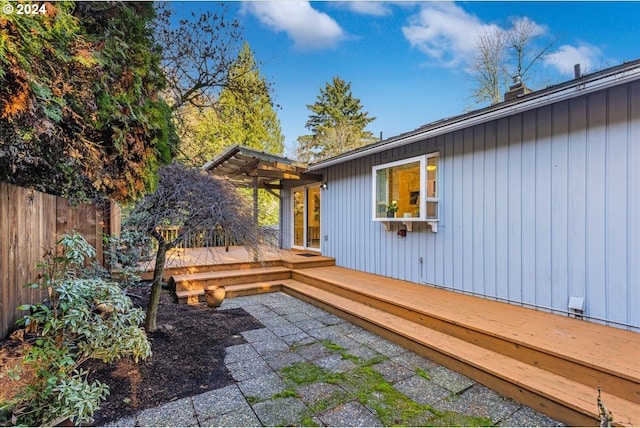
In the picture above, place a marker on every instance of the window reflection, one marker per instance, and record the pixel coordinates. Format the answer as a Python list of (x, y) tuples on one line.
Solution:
[(398, 191), (405, 188)]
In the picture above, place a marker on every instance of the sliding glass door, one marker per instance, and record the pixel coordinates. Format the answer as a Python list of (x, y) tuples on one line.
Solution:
[(306, 217)]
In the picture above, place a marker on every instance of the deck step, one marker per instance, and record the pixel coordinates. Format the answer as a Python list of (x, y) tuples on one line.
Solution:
[(553, 351), (301, 262), (252, 288), (567, 400), (199, 281), (196, 297), (212, 267)]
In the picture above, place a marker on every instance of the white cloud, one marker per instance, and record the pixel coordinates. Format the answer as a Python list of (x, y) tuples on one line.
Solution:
[(444, 32), (366, 7), (524, 22), (567, 56), (448, 34), (309, 28)]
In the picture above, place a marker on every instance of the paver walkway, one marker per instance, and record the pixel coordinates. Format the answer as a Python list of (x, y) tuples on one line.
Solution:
[(309, 367)]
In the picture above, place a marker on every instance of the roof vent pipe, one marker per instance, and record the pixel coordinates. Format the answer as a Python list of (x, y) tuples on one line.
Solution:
[(576, 71)]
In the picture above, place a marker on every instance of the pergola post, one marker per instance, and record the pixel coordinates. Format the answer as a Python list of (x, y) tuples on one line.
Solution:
[(255, 208), (255, 199)]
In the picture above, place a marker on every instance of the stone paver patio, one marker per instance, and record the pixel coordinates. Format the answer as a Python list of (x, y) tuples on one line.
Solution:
[(360, 380)]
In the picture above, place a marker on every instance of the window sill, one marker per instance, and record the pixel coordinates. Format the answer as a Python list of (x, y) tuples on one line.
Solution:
[(408, 222)]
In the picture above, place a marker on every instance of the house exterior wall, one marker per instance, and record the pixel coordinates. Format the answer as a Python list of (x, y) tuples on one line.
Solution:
[(534, 208)]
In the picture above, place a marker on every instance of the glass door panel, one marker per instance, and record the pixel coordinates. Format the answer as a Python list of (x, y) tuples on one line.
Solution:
[(313, 217), (298, 218)]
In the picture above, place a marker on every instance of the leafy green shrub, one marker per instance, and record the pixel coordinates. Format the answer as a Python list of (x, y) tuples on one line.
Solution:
[(123, 255), (83, 318)]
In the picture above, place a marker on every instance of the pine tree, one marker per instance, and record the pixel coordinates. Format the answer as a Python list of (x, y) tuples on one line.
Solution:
[(246, 108), (337, 123), (244, 114)]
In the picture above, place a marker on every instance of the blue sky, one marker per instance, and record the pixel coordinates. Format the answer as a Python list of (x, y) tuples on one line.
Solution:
[(408, 61)]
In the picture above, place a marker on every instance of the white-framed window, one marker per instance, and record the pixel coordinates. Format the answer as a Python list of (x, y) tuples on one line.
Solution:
[(407, 190)]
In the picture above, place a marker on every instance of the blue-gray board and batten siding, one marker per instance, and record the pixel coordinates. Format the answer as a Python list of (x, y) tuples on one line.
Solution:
[(534, 208)]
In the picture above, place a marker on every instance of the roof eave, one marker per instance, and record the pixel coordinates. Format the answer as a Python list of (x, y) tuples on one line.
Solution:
[(581, 86)]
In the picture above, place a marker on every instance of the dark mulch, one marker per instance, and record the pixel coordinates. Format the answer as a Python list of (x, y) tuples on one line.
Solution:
[(188, 357)]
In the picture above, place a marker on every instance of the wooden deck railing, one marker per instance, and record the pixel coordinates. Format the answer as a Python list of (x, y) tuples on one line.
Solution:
[(199, 238)]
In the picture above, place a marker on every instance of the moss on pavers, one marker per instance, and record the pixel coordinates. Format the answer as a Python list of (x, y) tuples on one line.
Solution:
[(367, 387), (480, 401), (422, 390), (306, 373), (321, 396), (286, 411), (352, 414), (262, 387)]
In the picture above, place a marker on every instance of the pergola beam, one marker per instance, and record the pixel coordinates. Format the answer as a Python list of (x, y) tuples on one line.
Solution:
[(241, 164)]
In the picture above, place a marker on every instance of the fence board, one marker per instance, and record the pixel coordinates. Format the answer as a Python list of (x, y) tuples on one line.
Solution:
[(4, 257), (30, 223)]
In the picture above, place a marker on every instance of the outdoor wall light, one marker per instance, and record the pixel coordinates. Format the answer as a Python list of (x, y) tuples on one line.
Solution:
[(324, 185)]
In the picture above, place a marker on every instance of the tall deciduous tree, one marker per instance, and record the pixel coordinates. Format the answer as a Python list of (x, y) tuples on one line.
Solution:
[(80, 114), (197, 56), (337, 123), (488, 67), (189, 198), (504, 56)]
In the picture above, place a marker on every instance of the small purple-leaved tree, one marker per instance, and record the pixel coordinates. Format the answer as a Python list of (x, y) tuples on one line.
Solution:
[(194, 201)]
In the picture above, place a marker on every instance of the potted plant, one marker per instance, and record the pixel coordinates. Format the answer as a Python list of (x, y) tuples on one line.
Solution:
[(391, 209)]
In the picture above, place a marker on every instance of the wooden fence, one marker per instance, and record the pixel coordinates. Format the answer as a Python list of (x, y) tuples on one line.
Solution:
[(30, 223)]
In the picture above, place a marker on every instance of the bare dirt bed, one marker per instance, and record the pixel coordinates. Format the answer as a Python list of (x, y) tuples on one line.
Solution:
[(188, 357)]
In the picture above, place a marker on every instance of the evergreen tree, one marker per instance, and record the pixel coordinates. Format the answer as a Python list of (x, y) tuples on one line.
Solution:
[(249, 119), (244, 114), (200, 138), (246, 108), (80, 114), (337, 123)]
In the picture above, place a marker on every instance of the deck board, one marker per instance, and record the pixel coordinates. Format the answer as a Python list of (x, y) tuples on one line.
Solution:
[(196, 260), (610, 347)]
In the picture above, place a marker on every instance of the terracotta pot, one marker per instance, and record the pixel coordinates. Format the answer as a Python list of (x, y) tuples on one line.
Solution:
[(215, 296)]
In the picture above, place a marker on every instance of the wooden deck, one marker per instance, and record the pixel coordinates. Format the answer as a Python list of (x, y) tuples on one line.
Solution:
[(196, 260), (552, 363)]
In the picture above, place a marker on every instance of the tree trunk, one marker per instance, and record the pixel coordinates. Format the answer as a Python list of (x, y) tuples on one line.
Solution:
[(154, 300)]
